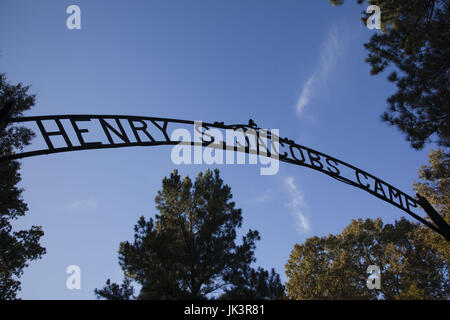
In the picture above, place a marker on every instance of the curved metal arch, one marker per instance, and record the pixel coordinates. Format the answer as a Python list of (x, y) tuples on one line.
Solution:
[(297, 154)]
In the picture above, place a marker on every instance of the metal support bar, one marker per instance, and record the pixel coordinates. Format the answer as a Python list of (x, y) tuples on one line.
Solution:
[(443, 227)]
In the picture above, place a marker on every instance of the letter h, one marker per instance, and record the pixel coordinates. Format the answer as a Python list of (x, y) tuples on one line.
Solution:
[(61, 132)]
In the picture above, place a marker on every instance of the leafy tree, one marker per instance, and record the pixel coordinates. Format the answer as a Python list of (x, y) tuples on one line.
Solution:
[(335, 267), (435, 186), (113, 291), (414, 39), (189, 250), (255, 284), (16, 247)]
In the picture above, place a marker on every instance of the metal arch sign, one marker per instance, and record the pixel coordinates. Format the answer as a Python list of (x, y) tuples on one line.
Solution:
[(153, 131)]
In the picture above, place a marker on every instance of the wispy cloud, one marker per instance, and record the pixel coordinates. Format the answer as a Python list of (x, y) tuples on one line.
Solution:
[(82, 204), (262, 198), (298, 205), (306, 94), (329, 54)]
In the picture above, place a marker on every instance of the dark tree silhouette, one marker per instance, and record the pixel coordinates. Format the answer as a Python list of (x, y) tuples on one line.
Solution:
[(189, 250), (414, 39), (16, 247)]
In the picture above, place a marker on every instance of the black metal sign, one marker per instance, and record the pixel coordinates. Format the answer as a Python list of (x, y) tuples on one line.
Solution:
[(129, 131)]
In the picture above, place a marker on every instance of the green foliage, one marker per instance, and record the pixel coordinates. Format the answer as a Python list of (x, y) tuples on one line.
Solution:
[(435, 186), (334, 267), (113, 291), (189, 250), (414, 39), (414, 260), (16, 247), (255, 284)]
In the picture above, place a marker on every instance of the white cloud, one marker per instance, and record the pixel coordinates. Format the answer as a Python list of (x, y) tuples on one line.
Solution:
[(265, 196), (298, 205), (82, 204), (330, 51), (262, 198), (306, 93)]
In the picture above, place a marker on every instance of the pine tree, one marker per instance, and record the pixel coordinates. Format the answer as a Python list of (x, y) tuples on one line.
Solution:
[(17, 248), (189, 250), (414, 40)]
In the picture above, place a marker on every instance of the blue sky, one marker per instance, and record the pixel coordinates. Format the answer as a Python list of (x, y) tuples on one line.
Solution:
[(297, 66)]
